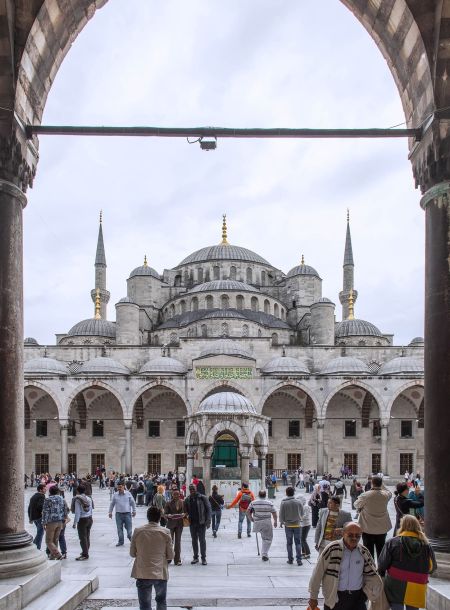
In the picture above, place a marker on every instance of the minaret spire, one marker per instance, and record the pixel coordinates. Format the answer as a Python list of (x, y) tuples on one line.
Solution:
[(348, 295), (99, 294), (224, 230)]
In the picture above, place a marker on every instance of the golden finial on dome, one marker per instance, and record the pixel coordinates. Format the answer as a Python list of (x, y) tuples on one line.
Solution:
[(145, 261), (303, 260), (224, 230), (97, 305), (351, 303), (101, 216)]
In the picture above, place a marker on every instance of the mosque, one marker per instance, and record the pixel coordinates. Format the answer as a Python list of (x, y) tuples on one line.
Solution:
[(229, 368)]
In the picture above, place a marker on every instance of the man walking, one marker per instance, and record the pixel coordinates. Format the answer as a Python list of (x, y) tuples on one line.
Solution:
[(331, 521), (35, 513), (151, 546), (125, 506), (198, 509), (347, 574), (243, 499), (373, 516), (261, 512), (83, 505), (53, 517), (291, 514)]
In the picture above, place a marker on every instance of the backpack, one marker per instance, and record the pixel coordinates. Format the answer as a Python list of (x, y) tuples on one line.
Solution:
[(339, 485), (245, 500)]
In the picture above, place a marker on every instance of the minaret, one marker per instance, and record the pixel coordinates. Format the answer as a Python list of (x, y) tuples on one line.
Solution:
[(348, 295), (99, 294)]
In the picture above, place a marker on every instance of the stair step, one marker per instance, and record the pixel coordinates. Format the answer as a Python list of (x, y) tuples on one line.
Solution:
[(66, 595)]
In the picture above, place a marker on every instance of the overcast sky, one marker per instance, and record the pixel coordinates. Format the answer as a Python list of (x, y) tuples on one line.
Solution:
[(252, 63)]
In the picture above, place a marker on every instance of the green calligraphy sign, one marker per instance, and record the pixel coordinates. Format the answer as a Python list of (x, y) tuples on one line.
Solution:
[(223, 372)]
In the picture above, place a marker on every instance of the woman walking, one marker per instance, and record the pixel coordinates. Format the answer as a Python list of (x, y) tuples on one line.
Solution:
[(403, 504), (216, 502), (174, 512), (405, 562), (159, 501), (315, 503), (306, 526)]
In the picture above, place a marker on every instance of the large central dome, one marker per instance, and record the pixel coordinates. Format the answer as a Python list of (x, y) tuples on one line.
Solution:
[(223, 252)]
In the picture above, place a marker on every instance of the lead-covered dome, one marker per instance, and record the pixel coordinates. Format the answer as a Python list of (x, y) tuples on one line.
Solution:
[(356, 327), (45, 366), (417, 341), (345, 365), (144, 270), (93, 328), (163, 365), (403, 365), (225, 347), (226, 403), (223, 252), (284, 365), (103, 365), (303, 269), (30, 341), (223, 285)]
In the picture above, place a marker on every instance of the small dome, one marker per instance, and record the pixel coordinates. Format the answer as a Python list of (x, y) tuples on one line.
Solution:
[(223, 285), (93, 328), (226, 347), (403, 365), (303, 270), (163, 365), (345, 365), (419, 341), (45, 366), (223, 252), (30, 341), (126, 300), (103, 366), (351, 328), (325, 300), (283, 365), (226, 403), (144, 270)]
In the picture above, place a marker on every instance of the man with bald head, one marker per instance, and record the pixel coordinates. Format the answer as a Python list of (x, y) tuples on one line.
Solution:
[(346, 572)]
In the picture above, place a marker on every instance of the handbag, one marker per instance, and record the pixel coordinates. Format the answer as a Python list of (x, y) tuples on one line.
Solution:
[(186, 521)]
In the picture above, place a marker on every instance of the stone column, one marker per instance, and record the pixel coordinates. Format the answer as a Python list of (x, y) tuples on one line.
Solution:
[(64, 448), (436, 203), (320, 448), (384, 451), (245, 464), (262, 457), (190, 455), (207, 453), (18, 555), (128, 446)]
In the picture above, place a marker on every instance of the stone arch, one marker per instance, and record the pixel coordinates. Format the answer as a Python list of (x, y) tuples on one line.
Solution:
[(259, 435), (51, 393), (409, 384), (226, 425), (220, 386), (193, 434), (294, 383), (151, 385), (100, 384), (359, 383), (194, 304)]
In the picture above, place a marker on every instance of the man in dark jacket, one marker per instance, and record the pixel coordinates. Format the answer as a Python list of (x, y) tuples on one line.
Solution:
[(35, 513), (198, 509)]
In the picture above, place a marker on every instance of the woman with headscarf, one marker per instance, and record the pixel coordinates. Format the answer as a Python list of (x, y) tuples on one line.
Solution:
[(406, 562), (403, 504), (174, 512)]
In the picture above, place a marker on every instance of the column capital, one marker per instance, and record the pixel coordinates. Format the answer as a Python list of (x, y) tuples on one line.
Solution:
[(191, 451), (18, 158), (245, 451), (207, 451), (430, 157), (128, 423), (438, 195)]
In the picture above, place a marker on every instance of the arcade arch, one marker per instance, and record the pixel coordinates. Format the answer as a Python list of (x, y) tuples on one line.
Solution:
[(406, 422), (41, 428)]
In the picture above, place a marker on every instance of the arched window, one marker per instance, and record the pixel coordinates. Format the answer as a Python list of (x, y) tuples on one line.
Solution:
[(190, 332), (245, 332), (266, 306), (361, 343), (204, 330), (239, 302), (216, 271), (249, 275), (156, 340), (182, 306), (209, 302), (172, 310), (173, 338), (207, 275), (194, 304), (276, 310), (254, 304), (225, 301), (259, 332), (232, 273), (274, 339), (200, 275), (177, 281), (225, 331), (263, 278), (186, 276), (282, 314)]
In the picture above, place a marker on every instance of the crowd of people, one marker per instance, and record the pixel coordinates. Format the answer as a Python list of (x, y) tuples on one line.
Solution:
[(174, 503)]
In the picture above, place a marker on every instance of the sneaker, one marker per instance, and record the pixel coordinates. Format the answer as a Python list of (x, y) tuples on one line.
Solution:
[(195, 560), (299, 562), (119, 544), (239, 535), (214, 535), (179, 563), (81, 558), (291, 561), (204, 562), (249, 535), (265, 558), (306, 556), (64, 556)]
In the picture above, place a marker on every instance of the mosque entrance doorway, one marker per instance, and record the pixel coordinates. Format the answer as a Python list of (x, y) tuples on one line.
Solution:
[(225, 451)]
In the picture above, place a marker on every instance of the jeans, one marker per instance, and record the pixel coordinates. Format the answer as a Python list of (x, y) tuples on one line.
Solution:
[(124, 519), (293, 534), (144, 589), (84, 534), (374, 541), (305, 546), (216, 515), (243, 515), (198, 535), (62, 540), (175, 533), (39, 533)]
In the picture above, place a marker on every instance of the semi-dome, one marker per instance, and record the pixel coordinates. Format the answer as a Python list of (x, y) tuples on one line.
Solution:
[(93, 327), (419, 341), (403, 365), (345, 365), (225, 347), (30, 341), (356, 327), (223, 252), (226, 403), (103, 365), (303, 269), (163, 365), (223, 285), (284, 365), (45, 366)]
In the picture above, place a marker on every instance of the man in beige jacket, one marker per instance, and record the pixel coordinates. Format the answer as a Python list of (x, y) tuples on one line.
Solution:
[(373, 516), (151, 546)]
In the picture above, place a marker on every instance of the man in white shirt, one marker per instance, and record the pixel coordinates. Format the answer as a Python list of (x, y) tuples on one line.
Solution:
[(125, 507)]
